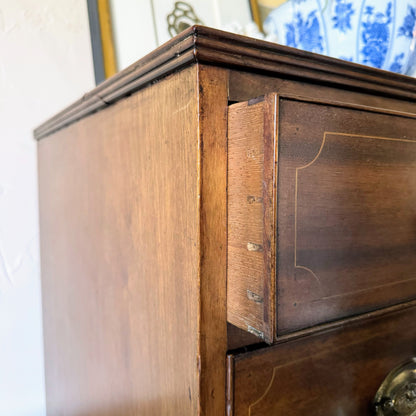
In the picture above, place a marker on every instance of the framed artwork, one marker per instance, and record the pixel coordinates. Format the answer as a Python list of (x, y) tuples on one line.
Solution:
[(261, 9), (172, 17), (123, 31), (102, 44)]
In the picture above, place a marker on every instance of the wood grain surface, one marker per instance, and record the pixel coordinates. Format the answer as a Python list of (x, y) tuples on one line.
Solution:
[(252, 169), (214, 47), (213, 105), (330, 373), (346, 211), (120, 244), (134, 251), (346, 206), (245, 85)]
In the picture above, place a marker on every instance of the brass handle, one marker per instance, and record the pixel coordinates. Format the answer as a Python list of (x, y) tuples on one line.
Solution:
[(397, 394)]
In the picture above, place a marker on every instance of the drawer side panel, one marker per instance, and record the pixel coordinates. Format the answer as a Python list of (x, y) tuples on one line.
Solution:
[(251, 216)]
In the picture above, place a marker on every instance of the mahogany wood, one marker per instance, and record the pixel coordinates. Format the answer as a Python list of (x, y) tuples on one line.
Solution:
[(246, 85), (212, 197), (332, 372), (214, 47), (346, 211), (134, 211), (121, 274)]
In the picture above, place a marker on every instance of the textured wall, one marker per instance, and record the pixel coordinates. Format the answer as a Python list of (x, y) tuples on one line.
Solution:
[(45, 63)]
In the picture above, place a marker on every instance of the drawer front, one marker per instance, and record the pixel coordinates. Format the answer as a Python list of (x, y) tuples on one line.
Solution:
[(344, 214), (333, 373)]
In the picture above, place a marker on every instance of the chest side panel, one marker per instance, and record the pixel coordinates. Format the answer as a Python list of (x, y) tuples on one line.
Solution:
[(120, 256)]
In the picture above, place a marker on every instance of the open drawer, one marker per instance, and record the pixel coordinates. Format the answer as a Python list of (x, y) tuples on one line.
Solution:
[(333, 372), (321, 212)]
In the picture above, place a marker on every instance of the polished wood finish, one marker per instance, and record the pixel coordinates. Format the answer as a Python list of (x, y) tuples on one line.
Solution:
[(346, 211), (252, 176), (330, 372), (245, 86), (200, 44), (152, 208), (212, 163), (120, 197)]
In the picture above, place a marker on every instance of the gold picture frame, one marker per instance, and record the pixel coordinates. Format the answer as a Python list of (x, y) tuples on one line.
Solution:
[(261, 8), (102, 42)]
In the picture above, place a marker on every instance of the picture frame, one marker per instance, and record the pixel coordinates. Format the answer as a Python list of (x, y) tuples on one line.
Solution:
[(123, 31), (102, 44), (261, 8)]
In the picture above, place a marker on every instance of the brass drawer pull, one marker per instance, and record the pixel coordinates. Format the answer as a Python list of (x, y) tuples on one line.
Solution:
[(397, 394)]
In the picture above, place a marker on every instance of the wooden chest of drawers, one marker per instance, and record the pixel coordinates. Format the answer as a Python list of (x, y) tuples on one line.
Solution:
[(229, 227)]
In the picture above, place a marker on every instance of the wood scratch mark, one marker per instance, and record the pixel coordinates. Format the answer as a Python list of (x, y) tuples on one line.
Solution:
[(183, 108)]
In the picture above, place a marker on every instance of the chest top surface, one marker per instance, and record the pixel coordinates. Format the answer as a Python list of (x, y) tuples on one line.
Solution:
[(208, 46)]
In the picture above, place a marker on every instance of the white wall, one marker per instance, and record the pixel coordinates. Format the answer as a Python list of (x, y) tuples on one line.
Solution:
[(134, 31), (45, 64)]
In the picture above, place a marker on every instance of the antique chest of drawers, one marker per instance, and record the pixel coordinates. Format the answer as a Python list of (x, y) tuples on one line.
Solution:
[(228, 226)]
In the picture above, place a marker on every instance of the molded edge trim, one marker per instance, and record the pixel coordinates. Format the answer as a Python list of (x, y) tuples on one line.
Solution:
[(214, 47)]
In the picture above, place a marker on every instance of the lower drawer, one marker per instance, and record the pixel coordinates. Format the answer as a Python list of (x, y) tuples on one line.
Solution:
[(334, 372)]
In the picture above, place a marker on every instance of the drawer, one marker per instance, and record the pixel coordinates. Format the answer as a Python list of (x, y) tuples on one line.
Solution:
[(321, 212), (334, 372)]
